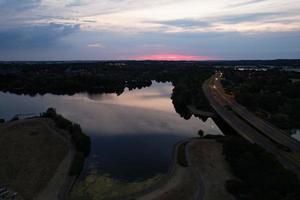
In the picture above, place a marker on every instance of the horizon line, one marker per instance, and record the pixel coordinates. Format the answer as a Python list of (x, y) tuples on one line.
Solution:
[(130, 60)]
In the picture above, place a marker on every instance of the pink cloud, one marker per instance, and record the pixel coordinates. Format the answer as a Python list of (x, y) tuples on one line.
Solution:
[(171, 57)]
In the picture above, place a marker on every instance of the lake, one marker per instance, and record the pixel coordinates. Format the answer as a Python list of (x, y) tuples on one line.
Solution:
[(132, 134)]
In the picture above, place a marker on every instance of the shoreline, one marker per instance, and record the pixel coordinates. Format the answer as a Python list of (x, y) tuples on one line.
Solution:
[(192, 178)]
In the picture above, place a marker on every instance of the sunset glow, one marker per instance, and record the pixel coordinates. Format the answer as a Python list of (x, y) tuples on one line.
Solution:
[(171, 57)]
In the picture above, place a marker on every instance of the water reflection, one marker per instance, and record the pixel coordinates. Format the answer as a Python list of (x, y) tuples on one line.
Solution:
[(132, 134), (156, 97)]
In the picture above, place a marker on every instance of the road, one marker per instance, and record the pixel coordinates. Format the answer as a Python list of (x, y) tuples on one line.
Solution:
[(251, 127)]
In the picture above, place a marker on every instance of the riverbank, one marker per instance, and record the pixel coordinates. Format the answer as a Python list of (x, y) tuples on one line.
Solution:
[(35, 158)]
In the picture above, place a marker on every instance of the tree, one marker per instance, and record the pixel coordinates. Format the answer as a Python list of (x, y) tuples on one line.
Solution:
[(201, 133)]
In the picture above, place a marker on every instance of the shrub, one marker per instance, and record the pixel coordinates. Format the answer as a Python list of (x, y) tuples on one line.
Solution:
[(201, 133), (77, 164), (181, 156), (234, 186)]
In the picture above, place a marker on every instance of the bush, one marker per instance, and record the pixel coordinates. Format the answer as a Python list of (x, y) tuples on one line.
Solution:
[(201, 133), (234, 186), (181, 156), (280, 120), (77, 164), (15, 118)]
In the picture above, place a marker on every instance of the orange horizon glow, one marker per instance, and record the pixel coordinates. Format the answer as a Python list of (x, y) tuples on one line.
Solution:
[(171, 57)]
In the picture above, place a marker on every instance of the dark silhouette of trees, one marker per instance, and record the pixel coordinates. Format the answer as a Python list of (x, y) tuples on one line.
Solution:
[(261, 176), (272, 94)]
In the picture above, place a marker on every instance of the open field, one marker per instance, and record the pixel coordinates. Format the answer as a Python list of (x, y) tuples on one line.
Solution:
[(31, 151)]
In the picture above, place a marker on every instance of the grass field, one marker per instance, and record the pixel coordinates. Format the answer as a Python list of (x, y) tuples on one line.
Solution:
[(100, 187), (30, 153)]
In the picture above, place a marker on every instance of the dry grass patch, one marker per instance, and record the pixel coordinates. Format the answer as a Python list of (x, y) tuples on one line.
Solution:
[(30, 153)]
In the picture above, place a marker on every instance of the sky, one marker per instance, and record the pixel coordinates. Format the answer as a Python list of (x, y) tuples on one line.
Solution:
[(154, 30)]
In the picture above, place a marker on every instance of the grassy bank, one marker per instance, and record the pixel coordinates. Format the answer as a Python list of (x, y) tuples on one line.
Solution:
[(30, 153), (98, 187)]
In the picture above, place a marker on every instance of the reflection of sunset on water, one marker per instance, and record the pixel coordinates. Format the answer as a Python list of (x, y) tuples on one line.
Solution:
[(139, 111), (156, 97)]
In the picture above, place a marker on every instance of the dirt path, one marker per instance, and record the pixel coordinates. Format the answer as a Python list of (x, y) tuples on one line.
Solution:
[(60, 183), (174, 188), (208, 163)]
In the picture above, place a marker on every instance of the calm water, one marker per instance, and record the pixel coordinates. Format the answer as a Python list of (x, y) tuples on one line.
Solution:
[(132, 134)]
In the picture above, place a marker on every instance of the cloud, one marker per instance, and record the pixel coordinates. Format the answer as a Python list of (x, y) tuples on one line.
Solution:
[(95, 45), (228, 19), (249, 17), (184, 23), (77, 3), (17, 5), (250, 23), (249, 2), (35, 36)]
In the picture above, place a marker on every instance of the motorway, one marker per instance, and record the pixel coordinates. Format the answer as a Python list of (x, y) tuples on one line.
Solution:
[(252, 128)]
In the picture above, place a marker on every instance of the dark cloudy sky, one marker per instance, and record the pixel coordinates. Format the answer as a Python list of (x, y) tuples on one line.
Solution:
[(156, 29)]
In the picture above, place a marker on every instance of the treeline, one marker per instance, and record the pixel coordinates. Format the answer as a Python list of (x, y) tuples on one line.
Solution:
[(81, 141), (68, 78), (259, 175), (272, 94), (65, 78), (188, 91)]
